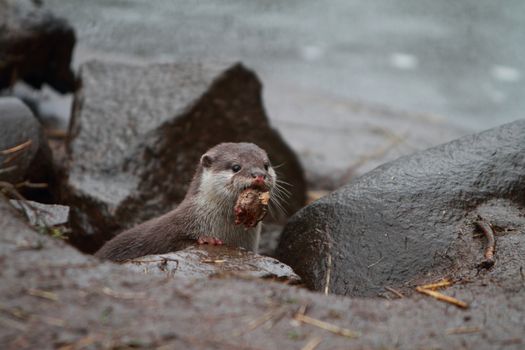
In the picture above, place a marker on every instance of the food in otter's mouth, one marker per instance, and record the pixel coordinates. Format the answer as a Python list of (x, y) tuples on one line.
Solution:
[(251, 207)]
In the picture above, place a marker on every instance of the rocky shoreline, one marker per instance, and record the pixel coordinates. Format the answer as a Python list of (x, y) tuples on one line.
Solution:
[(347, 270)]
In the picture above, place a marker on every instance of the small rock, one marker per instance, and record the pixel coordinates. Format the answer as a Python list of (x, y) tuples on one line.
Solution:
[(205, 261), (32, 159), (43, 215), (137, 133)]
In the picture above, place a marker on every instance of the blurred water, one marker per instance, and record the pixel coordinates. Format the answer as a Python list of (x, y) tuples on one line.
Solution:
[(463, 60)]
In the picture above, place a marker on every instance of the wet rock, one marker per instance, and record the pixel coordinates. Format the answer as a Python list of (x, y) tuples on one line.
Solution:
[(137, 134), (205, 261), (507, 220), (51, 108), (42, 215), (400, 222), (35, 46), (26, 154), (53, 296)]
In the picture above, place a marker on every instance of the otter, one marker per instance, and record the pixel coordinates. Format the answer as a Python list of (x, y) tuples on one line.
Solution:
[(206, 215)]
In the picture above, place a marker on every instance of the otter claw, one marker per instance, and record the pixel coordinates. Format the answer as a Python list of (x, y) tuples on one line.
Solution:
[(209, 240)]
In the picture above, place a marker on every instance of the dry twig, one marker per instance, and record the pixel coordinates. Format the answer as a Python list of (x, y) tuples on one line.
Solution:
[(29, 184), (329, 260), (463, 330), (11, 158), (441, 284), (375, 263), (301, 317), (326, 326), (487, 230), (42, 294), (328, 274), (212, 261), (395, 291), (123, 295), (8, 169), (442, 297), (16, 148)]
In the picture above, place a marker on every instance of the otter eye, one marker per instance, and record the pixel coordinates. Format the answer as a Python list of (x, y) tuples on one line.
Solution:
[(266, 166), (236, 168)]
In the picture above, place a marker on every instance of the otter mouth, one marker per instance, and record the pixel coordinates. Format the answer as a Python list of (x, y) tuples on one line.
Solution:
[(256, 186)]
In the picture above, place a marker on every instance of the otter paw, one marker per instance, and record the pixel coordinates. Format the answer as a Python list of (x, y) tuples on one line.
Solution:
[(209, 240)]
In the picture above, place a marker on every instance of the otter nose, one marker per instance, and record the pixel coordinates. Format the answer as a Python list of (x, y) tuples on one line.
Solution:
[(258, 176)]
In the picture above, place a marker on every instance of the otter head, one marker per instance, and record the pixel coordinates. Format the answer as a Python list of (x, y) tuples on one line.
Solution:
[(230, 168)]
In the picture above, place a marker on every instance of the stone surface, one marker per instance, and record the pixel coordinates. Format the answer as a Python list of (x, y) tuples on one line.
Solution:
[(43, 215), (51, 108), (138, 132), (402, 221), (204, 261), (32, 161), (35, 46), (52, 296)]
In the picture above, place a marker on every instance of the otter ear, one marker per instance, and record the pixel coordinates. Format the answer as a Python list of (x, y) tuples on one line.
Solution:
[(206, 160)]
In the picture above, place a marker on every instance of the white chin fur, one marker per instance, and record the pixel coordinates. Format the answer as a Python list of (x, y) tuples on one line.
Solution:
[(215, 209), (216, 185), (273, 175)]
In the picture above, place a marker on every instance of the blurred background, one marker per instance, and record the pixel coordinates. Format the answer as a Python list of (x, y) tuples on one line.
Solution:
[(458, 60), (349, 84)]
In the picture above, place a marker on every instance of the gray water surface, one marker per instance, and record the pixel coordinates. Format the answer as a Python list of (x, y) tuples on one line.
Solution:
[(461, 60)]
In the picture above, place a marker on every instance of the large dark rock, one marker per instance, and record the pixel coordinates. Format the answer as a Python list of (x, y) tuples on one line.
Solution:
[(402, 221), (35, 46), (26, 154), (51, 296), (138, 132)]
